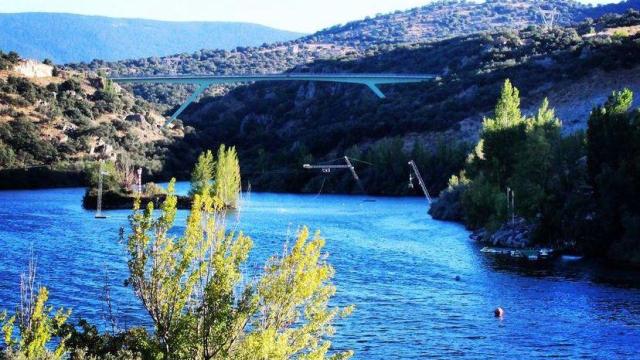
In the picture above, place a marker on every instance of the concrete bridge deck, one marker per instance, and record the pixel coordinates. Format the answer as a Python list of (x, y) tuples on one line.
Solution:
[(204, 81)]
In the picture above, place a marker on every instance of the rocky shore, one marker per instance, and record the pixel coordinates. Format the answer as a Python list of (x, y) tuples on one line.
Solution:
[(512, 234)]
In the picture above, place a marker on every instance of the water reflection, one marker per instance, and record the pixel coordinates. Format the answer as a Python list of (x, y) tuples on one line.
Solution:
[(392, 261)]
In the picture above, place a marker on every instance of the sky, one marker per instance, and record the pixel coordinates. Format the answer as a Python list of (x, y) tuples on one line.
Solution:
[(295, 15)]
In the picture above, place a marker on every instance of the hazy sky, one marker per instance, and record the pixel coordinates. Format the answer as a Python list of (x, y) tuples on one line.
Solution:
[(297, 15)]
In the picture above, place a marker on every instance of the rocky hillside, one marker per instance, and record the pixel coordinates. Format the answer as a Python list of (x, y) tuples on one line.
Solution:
[(446, 19), (60, 121), (369, 37), (278, 127)]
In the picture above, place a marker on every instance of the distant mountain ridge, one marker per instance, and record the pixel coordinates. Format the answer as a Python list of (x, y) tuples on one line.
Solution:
[(66, 38)]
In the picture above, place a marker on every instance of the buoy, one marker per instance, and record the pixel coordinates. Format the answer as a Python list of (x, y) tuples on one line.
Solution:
[(499, 312)]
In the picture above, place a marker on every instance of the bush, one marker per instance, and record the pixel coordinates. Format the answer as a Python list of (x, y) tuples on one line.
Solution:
[(71, 85), (24, 139), (7, 61), (85, 341), (7, 156), (448, 206)]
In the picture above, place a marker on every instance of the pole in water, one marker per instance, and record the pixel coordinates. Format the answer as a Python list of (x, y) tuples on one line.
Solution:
[(414, 167), (139, 180), (355, 175), (99, 214), (348, 165)]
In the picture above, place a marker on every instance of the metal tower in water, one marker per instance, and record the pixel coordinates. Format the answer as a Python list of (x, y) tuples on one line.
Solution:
[(327, 169), (99, 214), (420, 181)]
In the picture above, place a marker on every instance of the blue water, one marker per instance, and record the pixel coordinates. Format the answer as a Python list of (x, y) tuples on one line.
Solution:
[(392, 261)]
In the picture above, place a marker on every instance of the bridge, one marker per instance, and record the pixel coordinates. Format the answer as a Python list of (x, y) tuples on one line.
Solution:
[(205, 81)]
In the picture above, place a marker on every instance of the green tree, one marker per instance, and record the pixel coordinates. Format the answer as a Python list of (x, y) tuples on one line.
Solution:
[(613, 159), (202, 173), (36, 327), (111, 178), (7, 156), (534, 161), (501, 135), (294, 317), (227, 177), (192, 287), (163, 270), (513, 152)]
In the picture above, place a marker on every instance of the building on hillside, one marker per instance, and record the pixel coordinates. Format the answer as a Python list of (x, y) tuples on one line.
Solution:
[(33, 69)]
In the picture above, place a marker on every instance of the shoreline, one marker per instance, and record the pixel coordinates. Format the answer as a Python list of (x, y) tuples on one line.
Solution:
[(117, 201), (84, 184)]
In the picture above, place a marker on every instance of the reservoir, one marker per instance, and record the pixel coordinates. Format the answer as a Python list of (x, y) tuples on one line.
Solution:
[(392, 261)]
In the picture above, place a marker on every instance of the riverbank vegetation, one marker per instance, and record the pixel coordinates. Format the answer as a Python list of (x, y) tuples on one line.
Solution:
[(120, 188), (29, 333), (203, 300), (220, 176), (577, 190)]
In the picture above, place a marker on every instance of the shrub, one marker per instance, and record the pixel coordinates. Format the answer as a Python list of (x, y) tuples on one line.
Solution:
[(193, 291)]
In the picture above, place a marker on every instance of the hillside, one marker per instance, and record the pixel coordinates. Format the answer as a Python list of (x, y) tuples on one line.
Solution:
[(67, 38), (447, 19), (368, 37), (278, 127), (433, 123), (54, 124)]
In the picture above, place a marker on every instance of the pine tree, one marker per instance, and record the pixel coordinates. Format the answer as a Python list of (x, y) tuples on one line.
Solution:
[(507, 111), (501, 134)]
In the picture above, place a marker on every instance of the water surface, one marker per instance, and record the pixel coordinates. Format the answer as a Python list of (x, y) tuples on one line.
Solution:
[(396, 264)]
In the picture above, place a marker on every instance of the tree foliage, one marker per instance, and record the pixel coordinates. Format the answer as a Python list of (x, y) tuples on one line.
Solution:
[(193, 288), (202, 174), (516, 153), (37, 324), (578, 190), (613, 150), (221, 176), (227, 183)]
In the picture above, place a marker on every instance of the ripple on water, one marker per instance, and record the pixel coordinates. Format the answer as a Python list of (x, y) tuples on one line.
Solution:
[(393, 262)]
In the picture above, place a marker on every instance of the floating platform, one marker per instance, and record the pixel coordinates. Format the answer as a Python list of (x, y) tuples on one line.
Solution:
[(526, 254)]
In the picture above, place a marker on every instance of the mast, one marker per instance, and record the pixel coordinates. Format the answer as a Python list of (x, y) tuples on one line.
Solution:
[(348, 165), (99, 214), (420, 181)]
